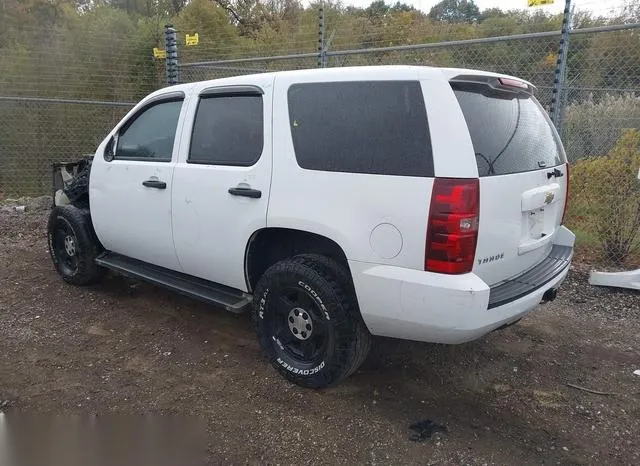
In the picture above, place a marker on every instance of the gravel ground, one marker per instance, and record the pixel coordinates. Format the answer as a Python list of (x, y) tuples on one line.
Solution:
[(128, 348)]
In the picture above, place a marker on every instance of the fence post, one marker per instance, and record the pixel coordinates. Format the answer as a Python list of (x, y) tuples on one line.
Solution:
[(171, 47), (555, 109), (322, 51)]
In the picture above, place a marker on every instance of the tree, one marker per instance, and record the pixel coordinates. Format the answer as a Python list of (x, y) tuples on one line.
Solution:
[(631, 12), (377, 9), (401, 7), (455, 11), (492, 13)]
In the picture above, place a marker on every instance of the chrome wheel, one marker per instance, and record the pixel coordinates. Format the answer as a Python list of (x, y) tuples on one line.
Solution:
[(65, 249), (299, 326), (70, 245), (300, 323)]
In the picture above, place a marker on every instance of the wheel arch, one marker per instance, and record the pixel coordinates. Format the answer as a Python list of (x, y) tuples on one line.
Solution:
[(270, 245), (85, 212)]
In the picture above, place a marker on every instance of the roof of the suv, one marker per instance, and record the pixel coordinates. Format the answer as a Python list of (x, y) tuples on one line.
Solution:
[(305, 74)]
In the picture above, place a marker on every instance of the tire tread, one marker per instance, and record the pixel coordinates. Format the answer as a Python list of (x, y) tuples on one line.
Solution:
[(363, 337), (89, 248), (353, 337)]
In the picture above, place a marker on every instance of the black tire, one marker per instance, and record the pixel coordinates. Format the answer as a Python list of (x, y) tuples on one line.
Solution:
[(307, 322), (341, 273), (73, 246)]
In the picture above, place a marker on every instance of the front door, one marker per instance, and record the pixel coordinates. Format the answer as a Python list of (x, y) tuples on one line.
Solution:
[(131, 183), (222, 180)]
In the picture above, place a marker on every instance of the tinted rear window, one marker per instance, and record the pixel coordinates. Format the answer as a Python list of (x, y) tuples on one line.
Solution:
[(509, 134), (376, 127)]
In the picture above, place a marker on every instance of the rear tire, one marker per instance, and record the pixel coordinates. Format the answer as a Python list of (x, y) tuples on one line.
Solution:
[(341, 273), (307, 321), (73, 246)]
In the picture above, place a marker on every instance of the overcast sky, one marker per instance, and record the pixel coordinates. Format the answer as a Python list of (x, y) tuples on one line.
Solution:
[(603, 7)]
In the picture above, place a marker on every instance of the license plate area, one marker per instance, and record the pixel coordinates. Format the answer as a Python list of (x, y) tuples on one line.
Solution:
[(536, 224), (537, 229)]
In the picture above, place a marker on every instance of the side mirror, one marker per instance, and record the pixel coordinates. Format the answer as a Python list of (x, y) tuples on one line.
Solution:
[(110, 150)]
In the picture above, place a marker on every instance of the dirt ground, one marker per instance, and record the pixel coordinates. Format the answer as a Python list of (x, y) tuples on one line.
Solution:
[(127, 348)]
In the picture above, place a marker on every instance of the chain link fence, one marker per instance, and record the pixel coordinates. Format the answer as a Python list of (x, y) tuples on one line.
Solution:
[(57, 115), (35, 132), (599, 105), (600, 129), (599, 98), (60, 93)]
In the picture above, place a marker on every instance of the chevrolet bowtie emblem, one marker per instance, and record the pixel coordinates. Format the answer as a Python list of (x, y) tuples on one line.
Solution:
[(549, 197)]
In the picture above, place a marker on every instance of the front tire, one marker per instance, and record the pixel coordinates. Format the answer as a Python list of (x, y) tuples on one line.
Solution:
[(73, 247), (307, 322)]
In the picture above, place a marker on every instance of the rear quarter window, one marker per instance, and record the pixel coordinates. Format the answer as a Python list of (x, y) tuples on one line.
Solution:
[(509, 134), (375, 127)]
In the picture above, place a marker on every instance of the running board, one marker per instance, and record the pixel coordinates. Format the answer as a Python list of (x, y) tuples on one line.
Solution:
[(231, 299)]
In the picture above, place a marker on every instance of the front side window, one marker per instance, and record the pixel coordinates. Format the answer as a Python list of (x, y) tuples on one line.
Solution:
[(151, 133), (228, 130)]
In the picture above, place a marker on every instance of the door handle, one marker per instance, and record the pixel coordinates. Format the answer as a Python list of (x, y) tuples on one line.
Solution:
[(157, 184), (246, 192)]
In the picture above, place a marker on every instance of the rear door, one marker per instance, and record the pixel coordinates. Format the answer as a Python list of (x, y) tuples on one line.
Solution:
[(222, 181), (523, 175)]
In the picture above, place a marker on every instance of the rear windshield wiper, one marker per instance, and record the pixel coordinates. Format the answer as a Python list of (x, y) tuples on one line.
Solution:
[(491, 163)]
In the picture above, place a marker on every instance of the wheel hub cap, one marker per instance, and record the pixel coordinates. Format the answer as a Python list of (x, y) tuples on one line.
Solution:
[(300, 323), (70, 245)]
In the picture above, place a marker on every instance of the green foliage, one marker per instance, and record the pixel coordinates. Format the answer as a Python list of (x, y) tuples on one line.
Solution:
[(490, 13), (593, 127), (605, 198), (379, 9), (212, 24), (102, 50), (455, 11)]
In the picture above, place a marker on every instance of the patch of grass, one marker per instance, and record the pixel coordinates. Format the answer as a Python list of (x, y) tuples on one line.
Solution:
[(586, 239)]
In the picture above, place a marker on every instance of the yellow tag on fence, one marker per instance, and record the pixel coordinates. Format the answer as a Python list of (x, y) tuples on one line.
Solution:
[(191, 40), (159, 53), (540, 2)]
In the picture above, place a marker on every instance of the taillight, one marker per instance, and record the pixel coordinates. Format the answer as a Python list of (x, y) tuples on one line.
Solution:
[(566, 197), (452, 233)]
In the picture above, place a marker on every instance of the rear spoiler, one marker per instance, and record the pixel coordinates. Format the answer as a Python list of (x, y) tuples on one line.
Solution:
[(492, 84)]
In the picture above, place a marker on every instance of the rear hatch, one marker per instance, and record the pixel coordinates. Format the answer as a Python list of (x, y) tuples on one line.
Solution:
[(523, 174)]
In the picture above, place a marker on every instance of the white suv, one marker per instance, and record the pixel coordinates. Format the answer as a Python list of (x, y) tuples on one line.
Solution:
[(411, 202)]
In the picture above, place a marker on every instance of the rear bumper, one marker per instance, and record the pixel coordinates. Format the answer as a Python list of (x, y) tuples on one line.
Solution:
[(416, 305)]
